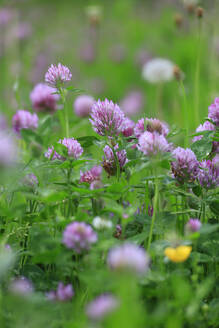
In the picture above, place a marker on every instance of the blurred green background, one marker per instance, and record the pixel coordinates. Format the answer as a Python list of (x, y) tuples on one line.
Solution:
[(106, 56)]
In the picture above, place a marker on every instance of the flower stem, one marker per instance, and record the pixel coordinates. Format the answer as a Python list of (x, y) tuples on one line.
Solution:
[(155, 206), (185, 112), (65, 111), (197, 76)]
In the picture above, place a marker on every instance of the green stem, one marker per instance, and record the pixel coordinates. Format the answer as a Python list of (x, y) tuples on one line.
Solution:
[(155, 207), (65, 111), (185, 112), (197, 77)]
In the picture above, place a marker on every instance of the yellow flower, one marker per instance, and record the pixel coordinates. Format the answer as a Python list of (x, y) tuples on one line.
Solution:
[(178, 254)]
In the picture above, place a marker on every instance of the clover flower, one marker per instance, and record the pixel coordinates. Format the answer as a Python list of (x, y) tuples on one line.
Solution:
[(109, 163), (24, 120), (158, 70), (213, 111), (208, 175), (106, 118), (6, 15), (73, 146), (207, 126), (79, 236), (185, 168), (101, 306), (43, 98), (8, 150), (57, 75), (150, 125), (152, 144), (193, 225), (62, 294), (128, 127), (91, 175), (132, 103), (101, 224), (83, 105), (128, 257), (21, 286)]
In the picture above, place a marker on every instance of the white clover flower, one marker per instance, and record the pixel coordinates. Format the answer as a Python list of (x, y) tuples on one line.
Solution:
[(101, 224), (158, 70)]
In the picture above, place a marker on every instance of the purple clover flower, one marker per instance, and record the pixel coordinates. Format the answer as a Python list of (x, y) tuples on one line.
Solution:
[(8, 150), (57, 75), (62, 294), (109, 163), (21, 286), (207, 126), (150, 125), (128, 127), (91, 175), (186, 167), (24, 120), (6, 15), (153, 143), (74, 149), (208, 175), (193, 225), (132, 103), (107, 118), (101, 306), (43, 98), (128, 257), (23, 31), (79, 236), (213, 111), (83, 105)]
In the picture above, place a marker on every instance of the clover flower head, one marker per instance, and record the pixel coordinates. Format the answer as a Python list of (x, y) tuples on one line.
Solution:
[(128, 127), (208, 175), (158, 70), (132, 103), (83, 105), (109, 163), (73, 146), (79, 236), (150, 125), (207, 126), (193, 225), (151, 144), (24, 120), (91, 175), (101, 306), (44, 99), (185, 168), (58, 75), (128, 257), (107, 118)]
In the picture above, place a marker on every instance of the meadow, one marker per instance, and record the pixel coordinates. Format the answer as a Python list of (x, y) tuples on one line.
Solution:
[(109, 164)]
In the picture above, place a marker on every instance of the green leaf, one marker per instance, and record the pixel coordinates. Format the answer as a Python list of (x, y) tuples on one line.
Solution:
[(87, 141), (214, 206), (202, 148), (61, 149)]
